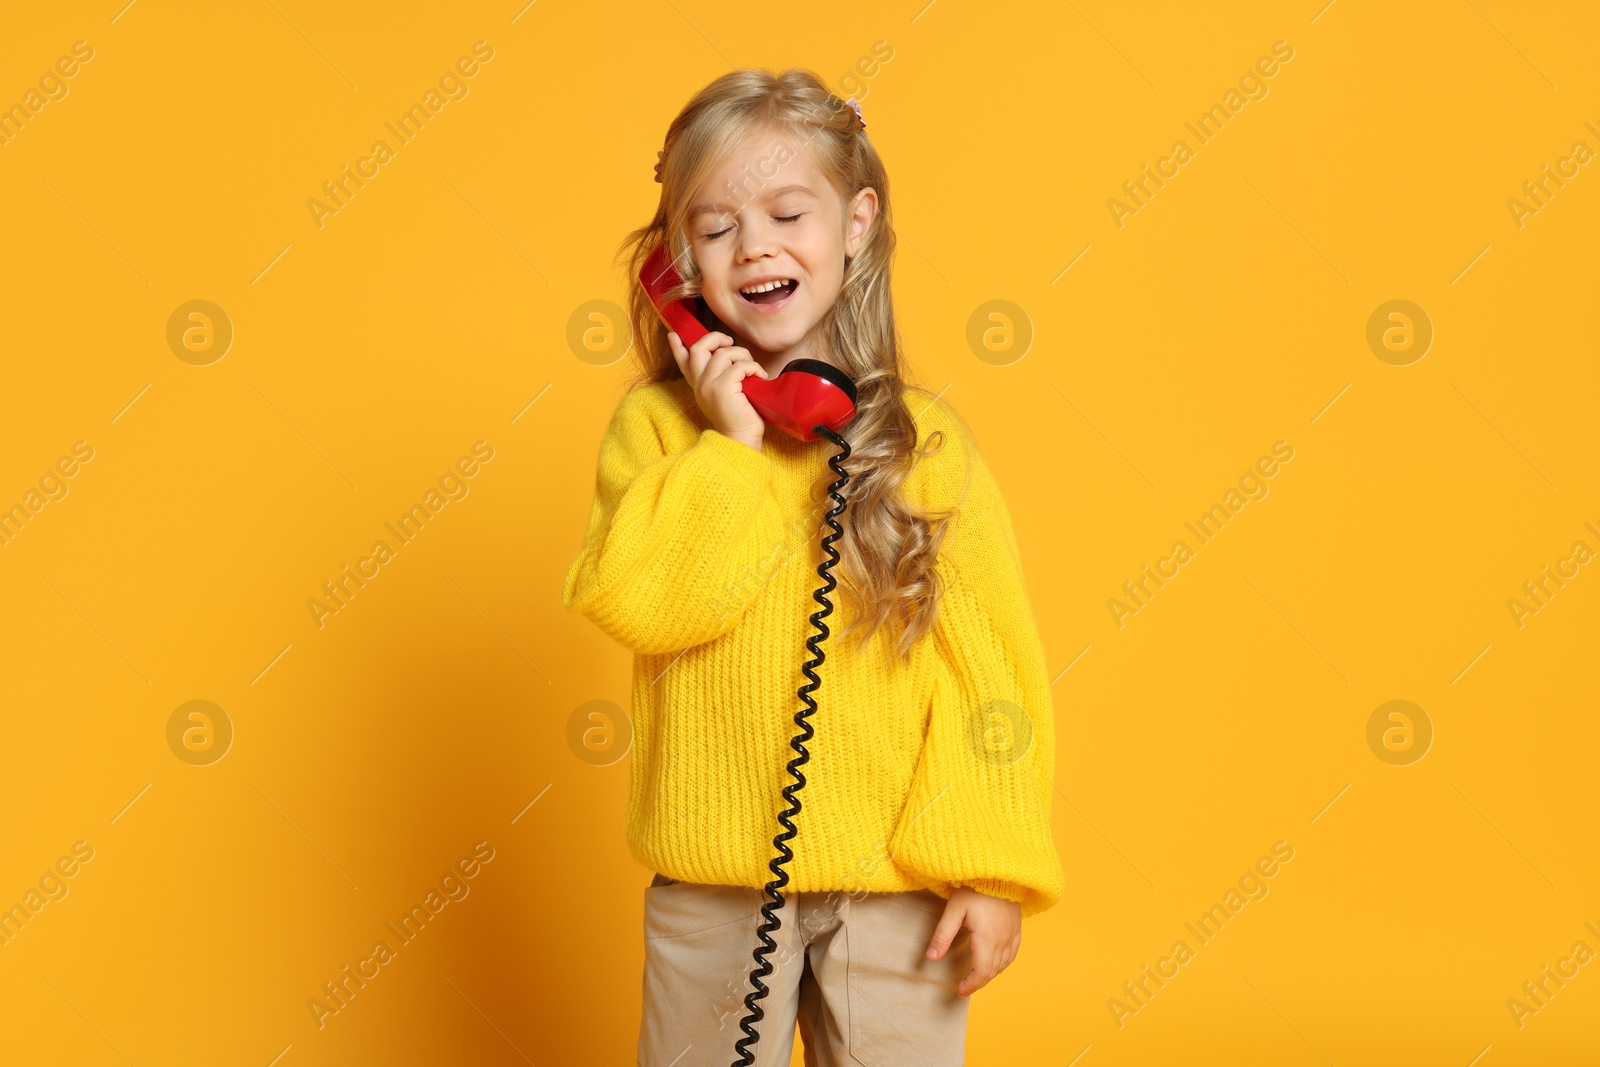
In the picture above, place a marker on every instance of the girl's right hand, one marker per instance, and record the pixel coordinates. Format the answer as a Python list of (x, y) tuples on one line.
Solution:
[(714, 366)]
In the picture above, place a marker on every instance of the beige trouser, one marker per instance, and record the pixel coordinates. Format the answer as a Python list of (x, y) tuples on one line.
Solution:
[(852, 971)]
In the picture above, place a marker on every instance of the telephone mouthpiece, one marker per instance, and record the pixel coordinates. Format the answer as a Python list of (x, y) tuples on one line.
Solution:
[(805, 394)]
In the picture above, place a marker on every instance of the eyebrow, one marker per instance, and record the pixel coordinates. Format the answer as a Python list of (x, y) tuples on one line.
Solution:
[(770, 194)]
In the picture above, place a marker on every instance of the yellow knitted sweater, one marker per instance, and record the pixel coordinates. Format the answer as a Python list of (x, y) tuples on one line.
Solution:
[(701, 557)]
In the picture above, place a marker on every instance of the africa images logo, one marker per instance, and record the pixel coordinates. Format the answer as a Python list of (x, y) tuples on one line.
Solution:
[(338, 993)]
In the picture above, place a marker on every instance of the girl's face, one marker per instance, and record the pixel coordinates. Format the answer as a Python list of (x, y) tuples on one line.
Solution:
[(756, 221)]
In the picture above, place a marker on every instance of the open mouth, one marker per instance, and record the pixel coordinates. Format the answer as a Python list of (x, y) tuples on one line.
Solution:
[(770, 292)]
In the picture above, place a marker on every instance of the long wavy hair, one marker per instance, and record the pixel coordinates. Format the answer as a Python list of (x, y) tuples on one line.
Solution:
[(889, 547)]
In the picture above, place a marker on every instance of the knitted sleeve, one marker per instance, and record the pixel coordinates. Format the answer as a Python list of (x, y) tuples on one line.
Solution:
[(676, 543), (978, 812)]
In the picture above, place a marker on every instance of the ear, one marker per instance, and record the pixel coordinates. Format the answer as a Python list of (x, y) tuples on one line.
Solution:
[(862, 211)]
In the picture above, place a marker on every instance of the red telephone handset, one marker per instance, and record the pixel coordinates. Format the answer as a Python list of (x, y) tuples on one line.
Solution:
[(805, 394)]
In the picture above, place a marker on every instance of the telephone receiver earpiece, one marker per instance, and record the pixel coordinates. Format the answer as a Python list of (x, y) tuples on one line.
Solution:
[(806, 394)]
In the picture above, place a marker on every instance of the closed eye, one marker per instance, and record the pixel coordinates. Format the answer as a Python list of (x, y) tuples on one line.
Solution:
[(778, 218)]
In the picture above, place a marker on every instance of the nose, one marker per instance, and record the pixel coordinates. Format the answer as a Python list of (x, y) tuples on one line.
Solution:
[(756, 241)]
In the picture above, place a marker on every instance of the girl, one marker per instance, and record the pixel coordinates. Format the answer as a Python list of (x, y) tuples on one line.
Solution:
[(924, 837)]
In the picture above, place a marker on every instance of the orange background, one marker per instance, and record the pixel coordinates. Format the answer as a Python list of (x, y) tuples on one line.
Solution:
[(435, 309)]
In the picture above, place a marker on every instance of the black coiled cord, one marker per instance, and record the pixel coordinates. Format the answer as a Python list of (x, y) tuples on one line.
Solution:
[(769, 910)]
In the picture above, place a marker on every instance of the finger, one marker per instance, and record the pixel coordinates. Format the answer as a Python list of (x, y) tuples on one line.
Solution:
[(945, 932), (700, 352), (725, 361), (747, 357), (708, 344), (746, 368), (1007, 954), (724, 379), (719, 361), (679, 353), (983, 967)]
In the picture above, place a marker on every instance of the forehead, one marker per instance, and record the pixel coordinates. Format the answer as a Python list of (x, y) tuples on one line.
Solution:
[(767, 167)]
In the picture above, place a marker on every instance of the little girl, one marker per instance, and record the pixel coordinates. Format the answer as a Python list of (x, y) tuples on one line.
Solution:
[(924, 837)]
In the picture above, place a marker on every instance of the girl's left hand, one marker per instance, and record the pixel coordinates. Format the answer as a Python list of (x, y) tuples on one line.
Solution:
[(996, 927)]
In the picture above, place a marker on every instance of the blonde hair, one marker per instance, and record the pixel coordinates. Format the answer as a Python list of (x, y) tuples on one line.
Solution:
[(889, 547)]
